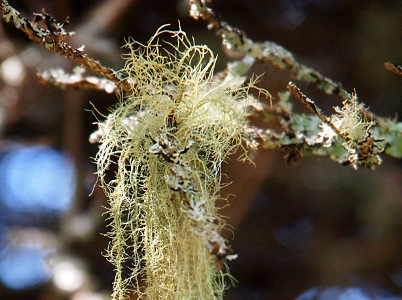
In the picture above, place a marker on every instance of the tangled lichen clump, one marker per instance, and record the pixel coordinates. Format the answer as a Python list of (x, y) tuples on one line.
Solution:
[(353, 127), (351, 122), (168, 139)]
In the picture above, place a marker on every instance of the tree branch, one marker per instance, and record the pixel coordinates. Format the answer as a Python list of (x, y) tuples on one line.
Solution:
[(55, 42)]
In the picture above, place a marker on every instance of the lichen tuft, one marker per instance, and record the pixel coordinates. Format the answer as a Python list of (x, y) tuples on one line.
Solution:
[(168, 139)]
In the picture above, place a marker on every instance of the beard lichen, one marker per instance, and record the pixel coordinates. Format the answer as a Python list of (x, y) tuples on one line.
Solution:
[(353, 127), (166, 141)]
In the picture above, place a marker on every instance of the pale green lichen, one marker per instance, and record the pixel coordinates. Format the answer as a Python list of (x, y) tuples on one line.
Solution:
[(352, 123), (168, 139)]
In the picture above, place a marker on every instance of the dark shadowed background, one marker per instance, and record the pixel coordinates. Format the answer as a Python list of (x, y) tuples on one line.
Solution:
[(309, 230)]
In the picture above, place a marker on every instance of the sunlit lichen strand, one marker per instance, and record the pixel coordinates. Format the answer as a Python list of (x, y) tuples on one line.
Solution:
[(168, 139)]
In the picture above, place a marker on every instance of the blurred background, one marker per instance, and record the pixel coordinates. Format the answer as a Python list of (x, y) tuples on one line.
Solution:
[(309, 230)]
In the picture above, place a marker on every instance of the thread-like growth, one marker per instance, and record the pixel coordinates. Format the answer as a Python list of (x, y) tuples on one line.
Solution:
[(351, 122), (168, 139)]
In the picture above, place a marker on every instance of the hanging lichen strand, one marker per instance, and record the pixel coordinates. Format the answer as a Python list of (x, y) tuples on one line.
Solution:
[(168, 139)]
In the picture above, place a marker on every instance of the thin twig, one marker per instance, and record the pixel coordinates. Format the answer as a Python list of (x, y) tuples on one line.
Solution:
[(313, 108), (54, 42), (78, 79), (268, 52), (393, 68)]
